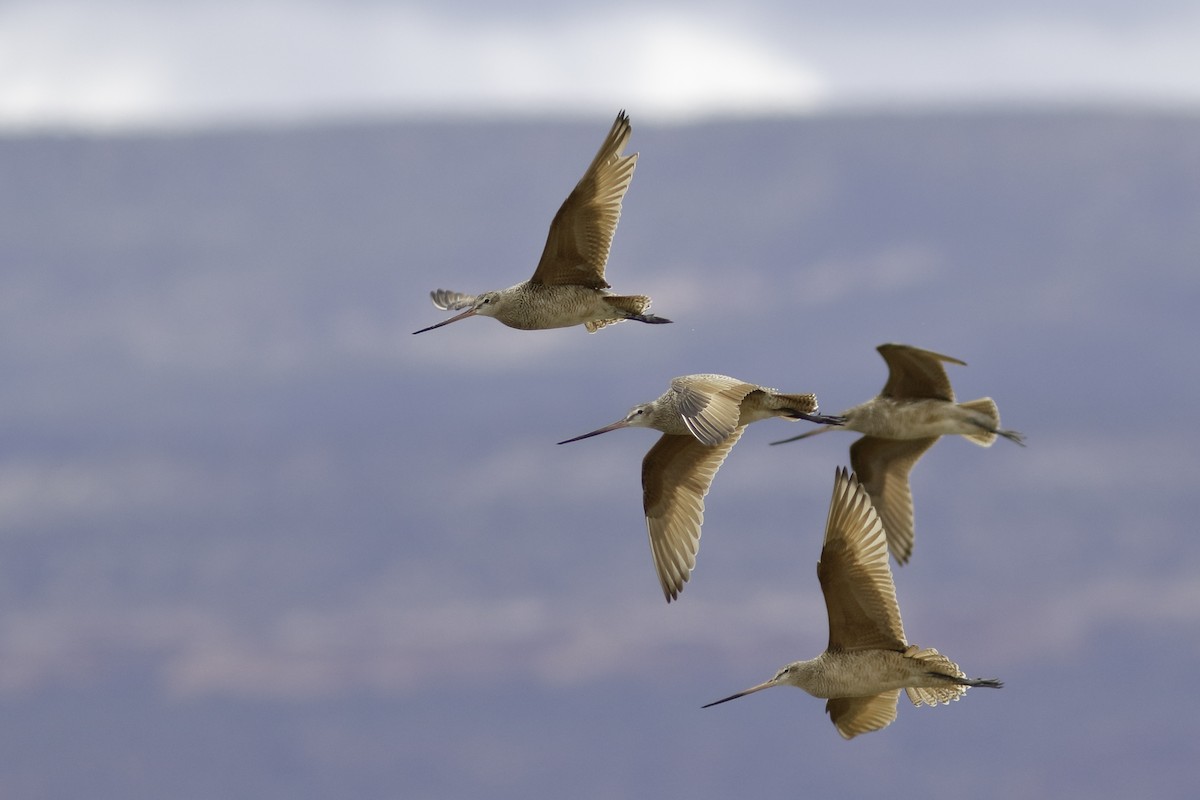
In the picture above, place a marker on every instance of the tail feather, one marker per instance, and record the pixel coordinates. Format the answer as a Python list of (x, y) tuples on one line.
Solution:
[(990, 429), (940, 667), (985, 406), (633, 304), (629, 306), (796, 406), (624, 307), (803, 406)]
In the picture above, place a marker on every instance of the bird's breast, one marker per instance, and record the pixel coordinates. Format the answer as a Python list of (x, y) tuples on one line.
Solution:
[(859, 673), (532, 306)]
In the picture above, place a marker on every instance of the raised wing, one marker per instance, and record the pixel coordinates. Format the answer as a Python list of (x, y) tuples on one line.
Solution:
[(916, 373), (676, 475), (883, 466), (582, 231), (451, 301), (860, 596), (855, 715), (710, 405)]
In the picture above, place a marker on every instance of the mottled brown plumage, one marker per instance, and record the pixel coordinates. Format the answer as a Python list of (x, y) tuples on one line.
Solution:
[(868, 659), (701, 417), (568, 287), (915, 408)]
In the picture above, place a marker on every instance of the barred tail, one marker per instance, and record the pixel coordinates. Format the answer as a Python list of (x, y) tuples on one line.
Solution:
[(629, 303), (940, 668), (989, 427), (804, 406), (986, 407), (623, 307), (634, 306), (797, 406)]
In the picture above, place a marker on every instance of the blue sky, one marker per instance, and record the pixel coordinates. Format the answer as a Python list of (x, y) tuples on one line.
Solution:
[(133, 63)]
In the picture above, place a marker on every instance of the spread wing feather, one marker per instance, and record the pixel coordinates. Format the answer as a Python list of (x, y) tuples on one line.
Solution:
[(854, 574), (883, 467), (581, 234), (916, 373), (676, 475)]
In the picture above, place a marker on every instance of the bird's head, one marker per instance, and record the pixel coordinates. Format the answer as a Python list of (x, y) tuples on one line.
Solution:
[(485, 305), (640, 416), (786, 676)]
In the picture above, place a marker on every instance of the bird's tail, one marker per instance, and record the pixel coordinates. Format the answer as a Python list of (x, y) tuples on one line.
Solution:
[(795, 406), (989, 425), (628, 306), (629, 303), (635, 307), (941, 668)]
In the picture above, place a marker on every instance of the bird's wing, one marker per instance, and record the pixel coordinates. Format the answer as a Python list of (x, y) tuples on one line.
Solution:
[(582, 231), (854, 574), (916, 373), (676, 475), (882, 466), (855, 715), (710, 405), (451, 301)]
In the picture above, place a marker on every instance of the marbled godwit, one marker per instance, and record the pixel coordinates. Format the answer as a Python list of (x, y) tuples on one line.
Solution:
[(568, 286), (915, 407), (701, 418), (868, 659)]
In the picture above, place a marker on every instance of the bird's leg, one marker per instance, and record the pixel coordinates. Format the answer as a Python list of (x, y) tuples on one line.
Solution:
[(648, 318), (1012, 436), (988, 683)]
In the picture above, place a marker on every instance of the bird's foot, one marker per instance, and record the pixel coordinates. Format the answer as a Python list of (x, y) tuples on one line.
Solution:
[(1013, 436)]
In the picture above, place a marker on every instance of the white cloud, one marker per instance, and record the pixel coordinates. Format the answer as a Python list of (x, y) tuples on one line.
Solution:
[(133, 62), (128, 62), (1031, 57)]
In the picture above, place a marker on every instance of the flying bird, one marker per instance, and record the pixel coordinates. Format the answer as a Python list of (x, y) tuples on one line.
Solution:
[(914, 409), (568, 287), (868, 659), (701, 418)]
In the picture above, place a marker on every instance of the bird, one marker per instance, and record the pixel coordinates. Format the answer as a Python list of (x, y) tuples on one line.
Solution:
[(915, 408), (568, 287), (701, 418), (868, 659)]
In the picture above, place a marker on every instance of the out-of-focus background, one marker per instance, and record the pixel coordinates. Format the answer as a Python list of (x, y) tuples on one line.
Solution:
[(258, 541)]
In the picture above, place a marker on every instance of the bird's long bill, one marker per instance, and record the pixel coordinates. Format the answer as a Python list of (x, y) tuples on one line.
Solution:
[(804, 435), (618, 424), (470, 312), (751, 690)]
